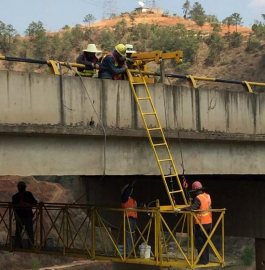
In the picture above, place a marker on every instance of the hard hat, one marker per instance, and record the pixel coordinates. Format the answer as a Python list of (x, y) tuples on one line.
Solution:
[(129, 48), (196, 186), (21, 184), (121, 49), (92, 48)]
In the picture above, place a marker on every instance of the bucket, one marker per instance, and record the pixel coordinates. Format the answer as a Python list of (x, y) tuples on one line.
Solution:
[(121, 249), (144, 251)]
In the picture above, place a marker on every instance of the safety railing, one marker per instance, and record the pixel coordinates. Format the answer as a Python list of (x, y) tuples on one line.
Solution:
[(159, 238), (55, 67)]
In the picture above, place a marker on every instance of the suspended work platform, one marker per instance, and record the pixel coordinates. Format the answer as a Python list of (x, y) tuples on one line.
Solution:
[(99, 233)]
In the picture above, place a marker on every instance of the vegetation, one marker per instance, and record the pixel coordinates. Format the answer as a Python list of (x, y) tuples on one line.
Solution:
[(197, 14), (248, 256), (89, 18)]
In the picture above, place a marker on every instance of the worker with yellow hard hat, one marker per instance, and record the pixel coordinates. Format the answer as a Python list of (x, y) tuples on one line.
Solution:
[(113, 65)]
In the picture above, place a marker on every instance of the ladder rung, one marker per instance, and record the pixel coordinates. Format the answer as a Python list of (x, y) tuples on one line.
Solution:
[(152, 129), (164, 160), (149, 113), (170, 175), (143, 98), (177, 191), (159, 144), (138, 83)]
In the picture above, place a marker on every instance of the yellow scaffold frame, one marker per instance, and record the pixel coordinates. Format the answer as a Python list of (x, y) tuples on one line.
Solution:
[(93, 237)]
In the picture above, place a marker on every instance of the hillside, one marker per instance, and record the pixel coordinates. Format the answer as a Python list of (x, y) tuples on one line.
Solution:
[(221, 54)]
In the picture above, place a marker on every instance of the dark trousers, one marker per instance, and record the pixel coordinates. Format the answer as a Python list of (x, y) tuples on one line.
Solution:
[(28, 224), (200, 240), (130, 234)]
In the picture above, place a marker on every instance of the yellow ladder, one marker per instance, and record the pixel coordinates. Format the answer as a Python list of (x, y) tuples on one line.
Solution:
[(140, 80)]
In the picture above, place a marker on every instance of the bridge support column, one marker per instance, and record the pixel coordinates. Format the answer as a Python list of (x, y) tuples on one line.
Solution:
[(260, 253)]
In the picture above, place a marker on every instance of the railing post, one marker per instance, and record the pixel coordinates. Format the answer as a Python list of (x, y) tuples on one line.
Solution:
[(41, 224), (93, 233), (124, 234), (63, 225), (223, 239), (192, 240), (10, 226), (158, 235)]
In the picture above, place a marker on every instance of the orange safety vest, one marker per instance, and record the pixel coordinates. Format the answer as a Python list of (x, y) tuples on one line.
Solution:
[(131, 203), (205, 217), (116, 76)]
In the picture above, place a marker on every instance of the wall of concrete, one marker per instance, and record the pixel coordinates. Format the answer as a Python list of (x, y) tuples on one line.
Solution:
[(80, 155), (45, 128), (38, 99)]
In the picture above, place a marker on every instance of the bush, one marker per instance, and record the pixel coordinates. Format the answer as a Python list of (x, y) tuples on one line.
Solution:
[(248, 256), (253, 44), (235, 40)]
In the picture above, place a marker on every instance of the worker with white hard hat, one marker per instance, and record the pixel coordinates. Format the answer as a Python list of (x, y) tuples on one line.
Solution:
[(89, 59)]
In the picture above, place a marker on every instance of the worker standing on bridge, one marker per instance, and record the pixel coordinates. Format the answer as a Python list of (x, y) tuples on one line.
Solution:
[(202, 202), (89, 59), (128, 202), (113, 65), (23, 202)]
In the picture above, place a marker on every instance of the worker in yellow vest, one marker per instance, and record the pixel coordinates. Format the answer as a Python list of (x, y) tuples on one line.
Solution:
[(127, 202), (89, 59), (202, 202)]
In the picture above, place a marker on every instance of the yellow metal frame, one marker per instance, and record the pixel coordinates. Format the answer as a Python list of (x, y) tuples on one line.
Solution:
[(81, 238)]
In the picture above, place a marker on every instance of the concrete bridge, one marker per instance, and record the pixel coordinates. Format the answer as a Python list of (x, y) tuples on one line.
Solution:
[(49, 127)]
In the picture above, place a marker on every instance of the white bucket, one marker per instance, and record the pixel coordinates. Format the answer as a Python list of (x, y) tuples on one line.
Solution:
[(145, 251)]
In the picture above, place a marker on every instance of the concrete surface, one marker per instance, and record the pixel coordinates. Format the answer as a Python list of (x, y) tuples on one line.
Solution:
[(49, 127)]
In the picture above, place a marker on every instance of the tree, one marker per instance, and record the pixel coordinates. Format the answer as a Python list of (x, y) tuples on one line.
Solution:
[(228, 21), (89, 18), (197, 14), (7, 37), (212, 19), (186, 8), (263, 16), (33, 28), (236, 19)]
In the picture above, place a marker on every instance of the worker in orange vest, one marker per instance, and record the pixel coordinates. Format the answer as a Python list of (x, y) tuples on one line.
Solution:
[(113, 65), (128, 202), (202, 202)]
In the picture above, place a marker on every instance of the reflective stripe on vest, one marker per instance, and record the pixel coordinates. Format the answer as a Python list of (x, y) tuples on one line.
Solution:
[(205, 217), (87, 73), (116, 76), (131, 203)]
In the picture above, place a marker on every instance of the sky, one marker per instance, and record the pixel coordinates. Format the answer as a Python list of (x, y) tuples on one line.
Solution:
[(57, 13)]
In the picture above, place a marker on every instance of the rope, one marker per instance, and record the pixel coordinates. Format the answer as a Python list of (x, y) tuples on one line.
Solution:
[(103, 128)]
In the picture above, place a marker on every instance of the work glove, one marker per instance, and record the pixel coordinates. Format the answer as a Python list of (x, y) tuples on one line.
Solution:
[(176, 211)]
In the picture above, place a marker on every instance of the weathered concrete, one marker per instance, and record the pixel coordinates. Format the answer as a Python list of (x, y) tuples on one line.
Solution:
[(46, 127)]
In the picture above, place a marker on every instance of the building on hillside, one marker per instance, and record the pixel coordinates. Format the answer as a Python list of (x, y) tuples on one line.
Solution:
[(149, 10)]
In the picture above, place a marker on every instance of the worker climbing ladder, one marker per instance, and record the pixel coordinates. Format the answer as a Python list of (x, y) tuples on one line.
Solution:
[(153, 134)]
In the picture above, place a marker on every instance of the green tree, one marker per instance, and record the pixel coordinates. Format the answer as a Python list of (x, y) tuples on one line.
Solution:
[(228, 21), (66, 27), (235, 39), (77, 36), (212, 19), (216, 44), (33, 28), (120, 30), (108, 41), (186, 9), (253, 44), (89, 18), (8, 38), (236, 19), (197, 14)]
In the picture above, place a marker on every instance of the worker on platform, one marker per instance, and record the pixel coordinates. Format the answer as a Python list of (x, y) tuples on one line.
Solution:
[(202, 202), (90, 60), (23, 202), (113, 65), (127, 202)]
